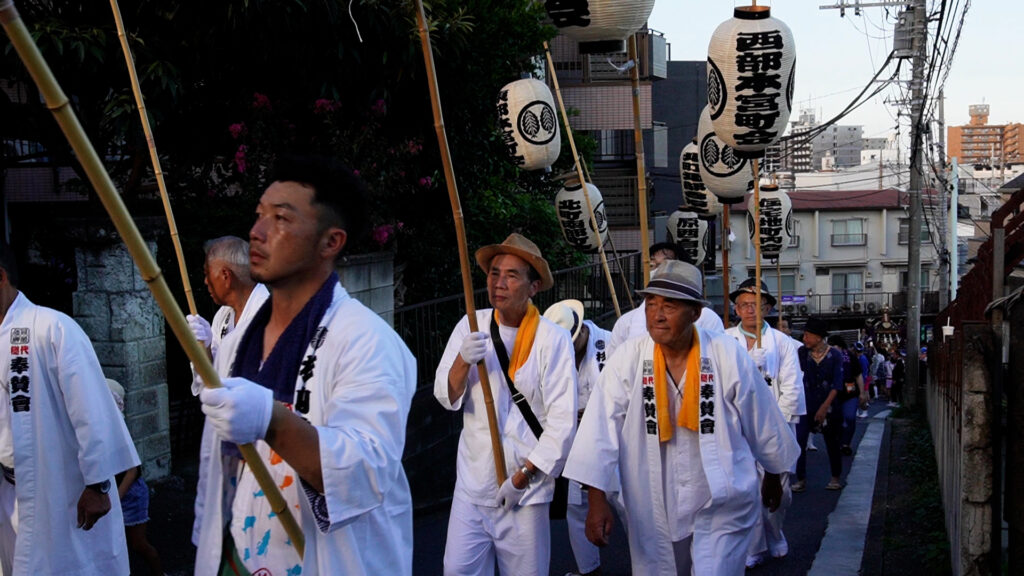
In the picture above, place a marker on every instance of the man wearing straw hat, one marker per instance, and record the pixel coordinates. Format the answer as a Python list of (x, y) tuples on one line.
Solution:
[(592, 351), (523, 350), (226, 275), (681, 416), (322, 387), (62, 441), (777, 361), (633, 324)]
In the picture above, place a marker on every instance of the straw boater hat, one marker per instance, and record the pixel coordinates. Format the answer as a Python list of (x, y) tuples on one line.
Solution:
[(677, 279), (748, 287), (517, 245), (568, 314)]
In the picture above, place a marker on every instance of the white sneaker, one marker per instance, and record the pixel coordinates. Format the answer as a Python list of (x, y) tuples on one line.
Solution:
[(862, 413), (756, 560), (779, 549), (810, 446)]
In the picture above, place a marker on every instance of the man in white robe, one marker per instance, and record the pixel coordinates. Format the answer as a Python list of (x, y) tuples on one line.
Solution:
[(508, 524), (322, 386), (682, 416), (226, 275), (633, 324), (62, 440), (777, 361), (590, 344)]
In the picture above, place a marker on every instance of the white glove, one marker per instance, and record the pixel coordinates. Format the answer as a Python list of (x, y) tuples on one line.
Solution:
[(474, 347), (509, 495), (240, 411), (759, 357), (200, 328)]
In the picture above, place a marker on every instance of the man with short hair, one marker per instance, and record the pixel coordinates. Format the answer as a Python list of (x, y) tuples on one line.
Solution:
[(62, 441), (321, 386), (227, 278), (633, 324), (682, 415), (530, 368), (777, 361)]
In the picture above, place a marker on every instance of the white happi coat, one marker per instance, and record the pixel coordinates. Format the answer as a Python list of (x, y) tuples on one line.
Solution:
[(633, 324), (547, 380), (783, 366), (60, 431), (743, 425), (361, 388), (598, 352), (222, 325)]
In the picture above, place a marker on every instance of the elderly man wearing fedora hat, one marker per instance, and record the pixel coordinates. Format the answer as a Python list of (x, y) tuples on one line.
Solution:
[(591, 345), (529, 362), (778, 362), (677, 422), (823, 382)]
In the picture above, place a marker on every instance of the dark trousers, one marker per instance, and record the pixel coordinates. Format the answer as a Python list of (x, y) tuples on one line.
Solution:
[(833, 429), (849, 420)]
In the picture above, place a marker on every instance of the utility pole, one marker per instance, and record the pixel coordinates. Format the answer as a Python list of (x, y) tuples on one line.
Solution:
[(944, 254), (916, 180)]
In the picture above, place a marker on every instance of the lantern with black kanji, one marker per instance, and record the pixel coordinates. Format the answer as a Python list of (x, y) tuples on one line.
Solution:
[(599, 25), (776, 210), (724, 172), (751, 61), (529, 127), (690, 232), (695, 194), (577, 226)]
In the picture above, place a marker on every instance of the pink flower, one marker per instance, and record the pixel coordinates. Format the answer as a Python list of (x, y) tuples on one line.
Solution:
[(382, 233), (324, 106), (261, 102), (237, 130), (240, 158), (356, 172), (425, 182), (379, 109), (413, 147)]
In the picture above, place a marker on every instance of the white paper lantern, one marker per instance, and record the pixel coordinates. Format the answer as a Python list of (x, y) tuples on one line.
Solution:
[(690, 232), (776, 216), (723, 171), (599, 25), (695, 194), (529, 127), (751, 61), (577, 226)]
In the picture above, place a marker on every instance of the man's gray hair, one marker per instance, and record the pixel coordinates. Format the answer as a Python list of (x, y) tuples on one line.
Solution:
[(233, 251)]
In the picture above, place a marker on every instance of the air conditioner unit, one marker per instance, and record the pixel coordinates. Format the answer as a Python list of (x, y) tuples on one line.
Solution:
[(872, 307), (858, 306), (803, 308), (788, 308)]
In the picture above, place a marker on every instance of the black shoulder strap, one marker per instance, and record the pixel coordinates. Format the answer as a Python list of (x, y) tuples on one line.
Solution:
[(519, 399)]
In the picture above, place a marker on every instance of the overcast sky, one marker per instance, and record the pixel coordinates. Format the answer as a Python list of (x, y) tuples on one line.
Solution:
[(837, 56)]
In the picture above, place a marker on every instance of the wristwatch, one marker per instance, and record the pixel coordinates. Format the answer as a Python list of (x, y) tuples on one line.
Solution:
[(526, 472), (101, 487)]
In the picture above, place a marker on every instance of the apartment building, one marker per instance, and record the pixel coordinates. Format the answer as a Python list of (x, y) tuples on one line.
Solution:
[(979, 143)]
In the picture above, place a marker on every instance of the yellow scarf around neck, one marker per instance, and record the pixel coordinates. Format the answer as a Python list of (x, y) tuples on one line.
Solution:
[(688, 413), (524, 339)]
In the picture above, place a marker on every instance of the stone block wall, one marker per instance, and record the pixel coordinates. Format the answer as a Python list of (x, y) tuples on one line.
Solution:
[(370, 278), (115, 308)]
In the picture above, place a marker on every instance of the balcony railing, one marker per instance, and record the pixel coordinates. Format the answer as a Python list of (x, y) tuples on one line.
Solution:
[(856, 302), (849, 239)]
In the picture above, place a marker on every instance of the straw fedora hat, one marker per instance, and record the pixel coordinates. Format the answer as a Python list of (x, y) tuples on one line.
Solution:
[(568, 314), (517, 245)]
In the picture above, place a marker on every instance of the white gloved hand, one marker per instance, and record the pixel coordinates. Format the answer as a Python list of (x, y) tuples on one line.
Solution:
[(200, 328), (474, 347), (759, 356), (509, 495), (240, 411)]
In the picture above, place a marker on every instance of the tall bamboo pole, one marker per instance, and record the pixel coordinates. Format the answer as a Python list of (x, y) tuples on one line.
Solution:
[(583, 182), (58, 104), (611, 242), (757, 249), (778, 287), (460, 234), (154, 158), (725, 263), (641, 168)]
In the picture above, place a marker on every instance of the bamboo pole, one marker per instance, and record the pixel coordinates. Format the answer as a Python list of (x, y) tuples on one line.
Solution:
[(154, 158), (641, 168), (611, 242), (757, 249), (778, 287), (583, 182), (460, 234), (725, 263), (58, 104)]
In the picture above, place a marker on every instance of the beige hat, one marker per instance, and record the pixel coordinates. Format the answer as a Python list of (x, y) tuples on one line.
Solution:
[(517, 245), (677, 279), (568, 314)]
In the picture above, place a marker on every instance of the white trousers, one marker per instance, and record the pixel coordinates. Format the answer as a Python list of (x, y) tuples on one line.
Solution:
[(204, 471), (518, 539), (588, 556), (767, 532)]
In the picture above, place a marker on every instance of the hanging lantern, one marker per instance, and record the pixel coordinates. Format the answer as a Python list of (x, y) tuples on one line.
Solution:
[(723, 172), (690, 232), (529, 127), (751, 61), (577, 226), (695, 194), (599, 25), (776, 211)]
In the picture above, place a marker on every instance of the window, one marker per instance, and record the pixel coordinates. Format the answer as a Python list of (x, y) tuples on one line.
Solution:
[(905, 279), (794, 240), (904, 235), (848, 232), (847, 287)]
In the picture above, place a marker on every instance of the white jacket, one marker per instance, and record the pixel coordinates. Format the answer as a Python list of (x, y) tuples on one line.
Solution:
[(633, 324), (783, 366)]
